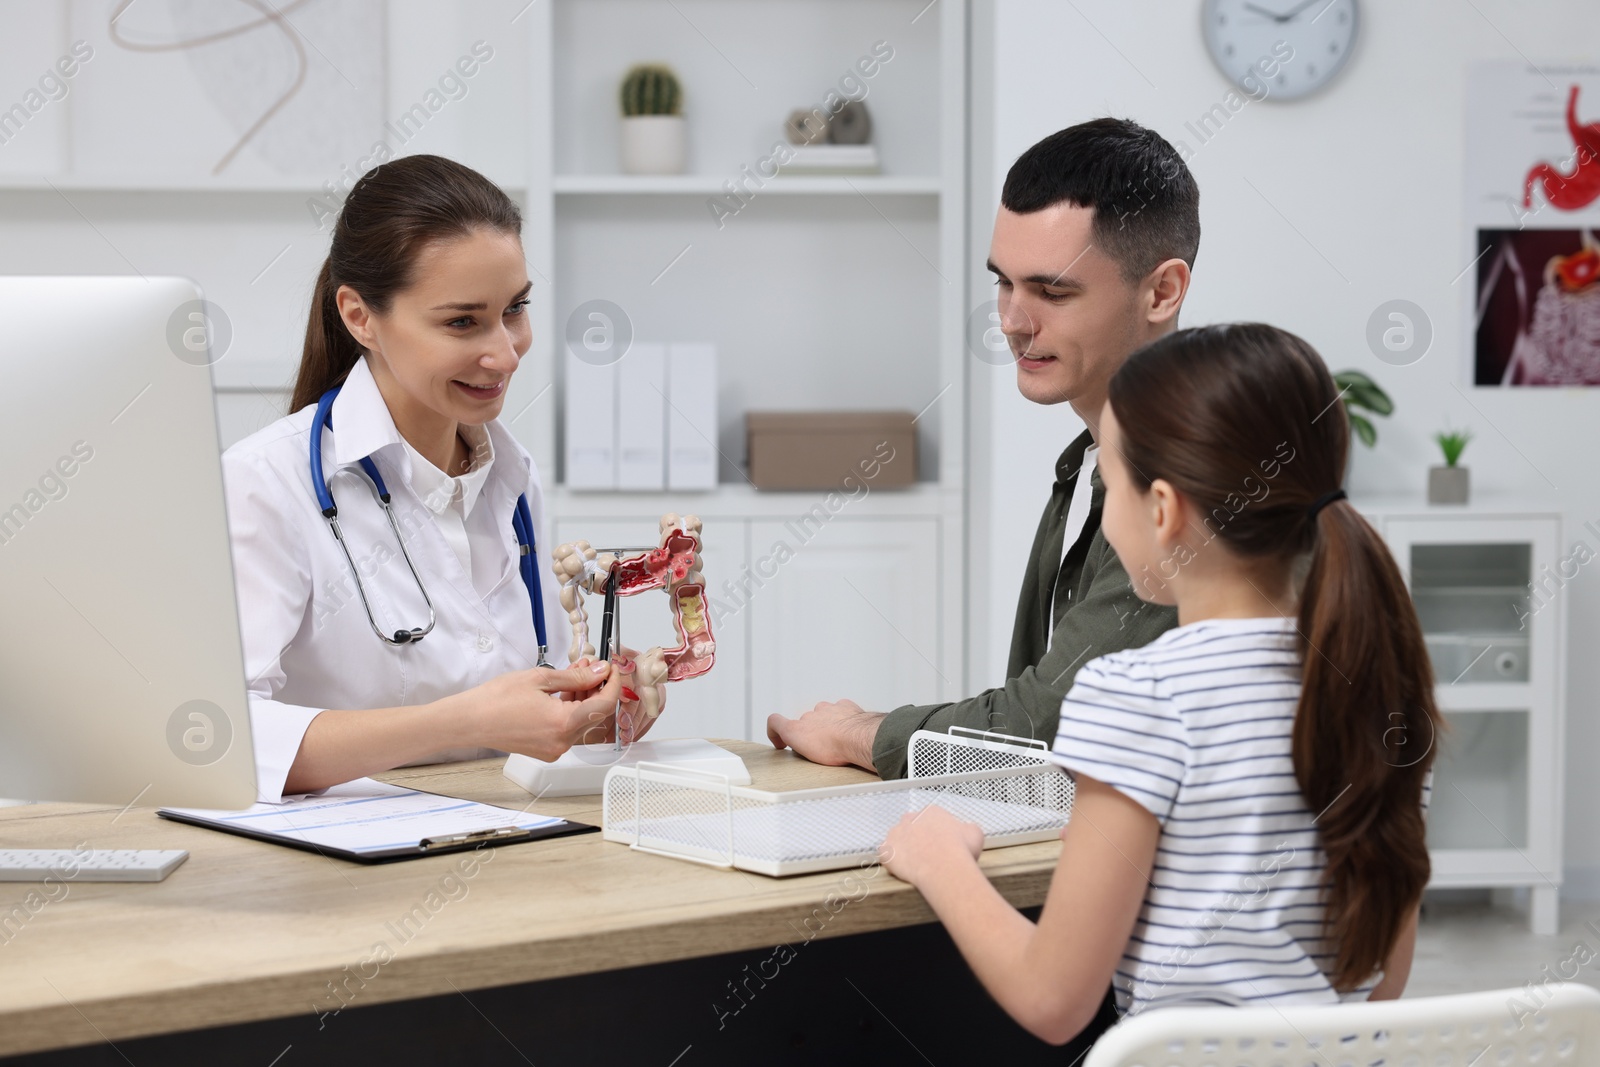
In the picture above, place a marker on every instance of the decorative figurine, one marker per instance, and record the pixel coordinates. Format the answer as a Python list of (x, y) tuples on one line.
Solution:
[(806, 127), (852, 125)]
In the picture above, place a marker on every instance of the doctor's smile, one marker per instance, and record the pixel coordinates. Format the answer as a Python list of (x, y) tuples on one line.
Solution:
[(481, 392)]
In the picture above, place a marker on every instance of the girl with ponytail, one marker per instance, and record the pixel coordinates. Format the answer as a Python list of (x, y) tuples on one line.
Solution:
[(405, 633), (1251, 786)]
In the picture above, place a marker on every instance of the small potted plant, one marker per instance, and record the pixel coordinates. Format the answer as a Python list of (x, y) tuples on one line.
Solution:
[(652, 121), (1449, 484)]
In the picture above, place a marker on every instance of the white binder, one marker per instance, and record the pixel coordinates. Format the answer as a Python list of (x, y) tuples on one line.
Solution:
[(591, 424), (692, 416), (641, 418)]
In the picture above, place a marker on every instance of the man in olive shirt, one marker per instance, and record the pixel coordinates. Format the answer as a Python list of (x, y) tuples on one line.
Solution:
[(1093, 244)]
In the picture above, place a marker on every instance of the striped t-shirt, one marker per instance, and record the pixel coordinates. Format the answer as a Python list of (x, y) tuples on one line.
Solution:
[(1196, 726)]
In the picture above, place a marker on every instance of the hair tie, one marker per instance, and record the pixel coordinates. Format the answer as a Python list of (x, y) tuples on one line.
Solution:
[(1323, 501)]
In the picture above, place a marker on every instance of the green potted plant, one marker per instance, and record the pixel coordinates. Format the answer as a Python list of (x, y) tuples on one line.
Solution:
[(1361, 393), (653, 136), (1450, 483)]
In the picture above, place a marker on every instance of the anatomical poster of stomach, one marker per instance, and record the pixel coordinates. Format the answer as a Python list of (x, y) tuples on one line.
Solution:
[(1533, 204)]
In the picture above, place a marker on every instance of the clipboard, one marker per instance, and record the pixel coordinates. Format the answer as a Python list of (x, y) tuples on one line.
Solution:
[(367, 821)]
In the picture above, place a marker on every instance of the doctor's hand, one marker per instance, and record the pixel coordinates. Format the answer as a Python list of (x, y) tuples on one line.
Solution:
[(631, 716), (836, 735), (644, 691), (542, 712)]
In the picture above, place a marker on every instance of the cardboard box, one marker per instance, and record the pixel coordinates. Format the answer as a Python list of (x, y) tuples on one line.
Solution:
[(821, 449)]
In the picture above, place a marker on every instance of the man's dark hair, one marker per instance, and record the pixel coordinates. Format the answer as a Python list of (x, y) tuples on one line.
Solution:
[(1146, 203)]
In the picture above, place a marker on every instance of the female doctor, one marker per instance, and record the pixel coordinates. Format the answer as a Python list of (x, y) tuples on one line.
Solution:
[(379, 636)]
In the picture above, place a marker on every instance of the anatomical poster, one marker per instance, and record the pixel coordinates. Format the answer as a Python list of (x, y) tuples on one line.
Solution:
[(1533, 205)]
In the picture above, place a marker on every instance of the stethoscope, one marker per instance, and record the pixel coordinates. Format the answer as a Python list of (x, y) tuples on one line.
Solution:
[(521, 524)]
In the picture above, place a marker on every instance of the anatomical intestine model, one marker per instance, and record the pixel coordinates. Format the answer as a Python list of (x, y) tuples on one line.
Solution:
[(674, 566)]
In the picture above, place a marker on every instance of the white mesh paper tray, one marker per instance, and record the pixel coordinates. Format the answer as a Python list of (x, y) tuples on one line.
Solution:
[(963, 750), (1005, 785)]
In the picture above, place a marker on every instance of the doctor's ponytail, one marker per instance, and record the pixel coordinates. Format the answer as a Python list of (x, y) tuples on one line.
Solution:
[(392, 213)]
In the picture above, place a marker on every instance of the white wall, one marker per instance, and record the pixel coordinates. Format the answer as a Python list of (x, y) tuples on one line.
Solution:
[(129, 152), (1369, 174)]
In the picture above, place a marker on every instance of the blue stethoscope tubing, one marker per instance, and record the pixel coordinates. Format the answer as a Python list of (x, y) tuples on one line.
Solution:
[(521, 525)]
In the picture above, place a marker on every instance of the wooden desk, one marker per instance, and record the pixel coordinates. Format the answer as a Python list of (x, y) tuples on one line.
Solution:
[(246, 930)]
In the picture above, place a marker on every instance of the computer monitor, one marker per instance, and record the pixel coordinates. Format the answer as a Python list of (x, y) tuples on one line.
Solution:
[(121, 669)]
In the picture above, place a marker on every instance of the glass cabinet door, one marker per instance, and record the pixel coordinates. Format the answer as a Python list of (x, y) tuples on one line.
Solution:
[(1473, 601), (1491, 639), (1480, 782)]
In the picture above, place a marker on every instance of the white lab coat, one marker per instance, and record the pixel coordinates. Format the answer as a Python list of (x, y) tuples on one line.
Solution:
[(307, 643)]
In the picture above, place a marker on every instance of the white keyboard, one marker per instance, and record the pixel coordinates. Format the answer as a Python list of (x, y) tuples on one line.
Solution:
[(89, 865)]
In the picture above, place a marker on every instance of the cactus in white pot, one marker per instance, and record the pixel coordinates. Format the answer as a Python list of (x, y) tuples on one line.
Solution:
[(653, 130)]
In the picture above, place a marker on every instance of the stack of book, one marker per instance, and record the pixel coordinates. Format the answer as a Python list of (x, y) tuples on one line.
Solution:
[(832, 159)]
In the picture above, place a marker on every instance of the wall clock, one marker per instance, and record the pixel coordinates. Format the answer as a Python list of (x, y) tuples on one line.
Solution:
[(1280, 49)]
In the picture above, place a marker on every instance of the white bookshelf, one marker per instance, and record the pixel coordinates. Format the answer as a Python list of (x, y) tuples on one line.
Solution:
[(824, 292), (711, 185)]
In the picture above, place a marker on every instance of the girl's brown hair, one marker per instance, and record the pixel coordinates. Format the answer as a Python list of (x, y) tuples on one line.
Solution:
[(1245, 421), (393, 212)]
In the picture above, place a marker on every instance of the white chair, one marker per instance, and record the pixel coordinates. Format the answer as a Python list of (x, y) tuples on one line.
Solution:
[(1555, 1025)]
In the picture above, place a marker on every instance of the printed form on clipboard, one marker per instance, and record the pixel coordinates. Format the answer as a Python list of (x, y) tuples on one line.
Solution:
[(372, 822)]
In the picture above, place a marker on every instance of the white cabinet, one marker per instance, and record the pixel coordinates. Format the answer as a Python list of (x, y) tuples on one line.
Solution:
[(1487, 593), (852, 612)]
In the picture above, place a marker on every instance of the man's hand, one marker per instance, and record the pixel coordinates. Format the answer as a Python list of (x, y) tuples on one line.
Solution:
[(836, 735)]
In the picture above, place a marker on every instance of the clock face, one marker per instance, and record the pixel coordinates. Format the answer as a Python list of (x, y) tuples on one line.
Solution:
[(1279, 49)]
